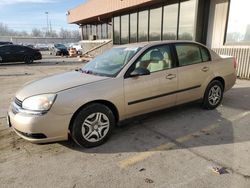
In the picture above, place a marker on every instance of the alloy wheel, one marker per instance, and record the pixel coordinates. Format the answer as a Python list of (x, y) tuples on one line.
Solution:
[(214, 95), (95, 127)]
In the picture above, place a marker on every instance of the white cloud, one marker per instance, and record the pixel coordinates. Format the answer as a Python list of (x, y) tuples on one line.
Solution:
[(10, 2)]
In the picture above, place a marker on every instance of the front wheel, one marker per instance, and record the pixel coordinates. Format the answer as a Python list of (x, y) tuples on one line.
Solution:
[(28, 59), (213, 95), (93, 125)]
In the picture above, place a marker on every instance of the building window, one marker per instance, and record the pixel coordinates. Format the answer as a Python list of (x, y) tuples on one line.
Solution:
[(187, 20), (143, 26), (116, 33), (170, 19), (99, 31), (104, 31), (238, 23), (109, 30), (133, 28), (93, 29), (89, 31), (155, 24), (125, 29), (84, 33)]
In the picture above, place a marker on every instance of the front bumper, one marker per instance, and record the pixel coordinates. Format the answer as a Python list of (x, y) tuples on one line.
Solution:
[(48, 127)]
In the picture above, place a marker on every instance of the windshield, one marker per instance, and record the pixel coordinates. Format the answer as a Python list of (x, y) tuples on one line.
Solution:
[(60, 46), (111, 62)]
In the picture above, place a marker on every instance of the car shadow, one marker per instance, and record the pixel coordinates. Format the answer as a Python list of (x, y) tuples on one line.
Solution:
[(186, 126)]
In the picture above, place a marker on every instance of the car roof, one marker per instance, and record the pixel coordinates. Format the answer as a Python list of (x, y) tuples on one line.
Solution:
[(154, 43)]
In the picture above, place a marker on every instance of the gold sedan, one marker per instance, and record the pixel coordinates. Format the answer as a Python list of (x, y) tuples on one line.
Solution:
[(124, 82)]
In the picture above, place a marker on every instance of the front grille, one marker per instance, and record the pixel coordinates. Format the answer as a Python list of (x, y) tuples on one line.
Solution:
[(18, 102)]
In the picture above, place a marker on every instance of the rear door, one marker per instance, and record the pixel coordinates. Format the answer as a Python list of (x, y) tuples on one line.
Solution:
[(193, 72), (18, 53), (5, 53), (155, 91)]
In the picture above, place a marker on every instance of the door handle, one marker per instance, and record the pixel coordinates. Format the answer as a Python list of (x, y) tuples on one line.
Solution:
[(205, 69), (170, 76)]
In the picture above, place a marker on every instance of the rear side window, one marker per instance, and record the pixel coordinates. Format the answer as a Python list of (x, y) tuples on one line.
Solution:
[(205, 54), (188, 54)]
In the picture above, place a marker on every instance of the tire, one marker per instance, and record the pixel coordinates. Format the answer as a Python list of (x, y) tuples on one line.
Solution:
[(28, 59), (93, 125), (1, 59), (213, 95)]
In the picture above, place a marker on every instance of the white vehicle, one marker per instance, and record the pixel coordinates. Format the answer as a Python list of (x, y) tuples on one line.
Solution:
[(77, 47)]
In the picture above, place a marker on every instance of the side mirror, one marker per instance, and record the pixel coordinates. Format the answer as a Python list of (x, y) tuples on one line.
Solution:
[(139, 72)]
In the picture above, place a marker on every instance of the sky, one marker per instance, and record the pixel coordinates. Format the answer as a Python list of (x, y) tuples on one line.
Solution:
[(24, 15)]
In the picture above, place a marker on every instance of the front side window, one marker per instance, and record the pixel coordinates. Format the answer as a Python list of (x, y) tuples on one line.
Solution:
[(155, 59), (111, 62), (188, 54)]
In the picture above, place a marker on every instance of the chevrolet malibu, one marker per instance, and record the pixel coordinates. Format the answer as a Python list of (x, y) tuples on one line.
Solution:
[(124, 82)]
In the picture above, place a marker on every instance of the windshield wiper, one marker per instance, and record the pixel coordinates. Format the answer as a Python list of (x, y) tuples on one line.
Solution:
[(84, 71)]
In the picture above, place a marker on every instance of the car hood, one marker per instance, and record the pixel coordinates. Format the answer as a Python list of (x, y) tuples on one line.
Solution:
[(57, 83)]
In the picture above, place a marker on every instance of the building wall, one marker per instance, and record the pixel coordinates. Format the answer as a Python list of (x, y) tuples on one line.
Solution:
[(217, 23), (94, 8)]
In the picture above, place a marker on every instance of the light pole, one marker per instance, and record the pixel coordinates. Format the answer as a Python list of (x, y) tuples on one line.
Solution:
[(47, 17)]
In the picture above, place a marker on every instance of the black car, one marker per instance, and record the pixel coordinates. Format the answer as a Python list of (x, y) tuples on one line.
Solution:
[(18, 53), (4, 43), (59, 49)]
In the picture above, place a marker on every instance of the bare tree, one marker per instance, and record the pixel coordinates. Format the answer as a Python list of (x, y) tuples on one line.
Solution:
[(36, 32), (76, 35)]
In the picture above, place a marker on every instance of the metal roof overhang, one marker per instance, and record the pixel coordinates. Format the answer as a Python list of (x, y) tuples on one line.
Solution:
[(94, 11)]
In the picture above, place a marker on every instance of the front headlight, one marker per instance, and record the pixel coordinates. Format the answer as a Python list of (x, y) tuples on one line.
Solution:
[(39, 102)]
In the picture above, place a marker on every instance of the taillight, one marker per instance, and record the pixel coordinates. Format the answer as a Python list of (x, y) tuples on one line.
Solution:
[(235, 63)]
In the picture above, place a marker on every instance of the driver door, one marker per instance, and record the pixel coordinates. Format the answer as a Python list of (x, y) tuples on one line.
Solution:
[(155, 91)]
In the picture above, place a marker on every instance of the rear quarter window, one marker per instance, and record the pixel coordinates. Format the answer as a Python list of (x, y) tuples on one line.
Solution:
[(205, 54)]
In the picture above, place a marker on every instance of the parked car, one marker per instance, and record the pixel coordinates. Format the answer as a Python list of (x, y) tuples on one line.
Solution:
[(18, 53), (124, 82), (77, 47), (42, 47), (59, 49), (4, 43)]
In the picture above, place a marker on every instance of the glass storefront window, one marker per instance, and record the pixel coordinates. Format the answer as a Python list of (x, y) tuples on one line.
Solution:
[(155, 24), (238, 23), (143, 26), (125, 29), (170, 18), (187, 20), (133, 28), (104, 31), (93, 29), (84, 32), (89, 31), (116, 34), (109, 30), (99, 31)]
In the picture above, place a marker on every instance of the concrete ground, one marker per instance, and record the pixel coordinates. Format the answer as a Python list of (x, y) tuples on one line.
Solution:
[(177, 147)]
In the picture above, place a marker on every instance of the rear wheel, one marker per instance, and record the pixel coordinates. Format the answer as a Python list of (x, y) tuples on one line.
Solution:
[(28, 59), (93, 125), (213, 95)]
